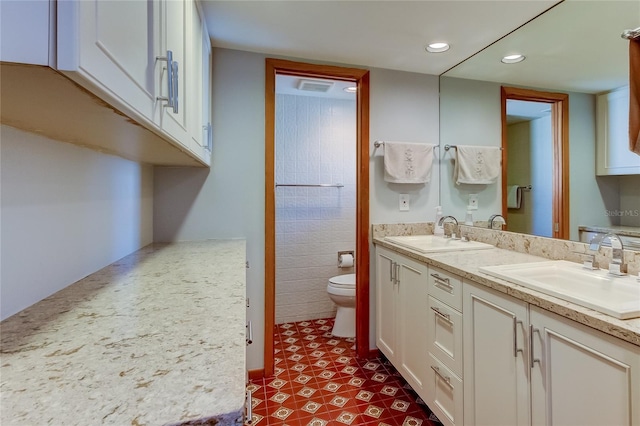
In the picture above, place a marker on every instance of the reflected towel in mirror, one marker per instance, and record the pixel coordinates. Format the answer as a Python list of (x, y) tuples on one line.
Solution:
[(477, 164), (514, 196), (408, 162)]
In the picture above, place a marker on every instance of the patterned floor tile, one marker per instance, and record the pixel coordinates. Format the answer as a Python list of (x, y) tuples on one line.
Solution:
[(318, 381)]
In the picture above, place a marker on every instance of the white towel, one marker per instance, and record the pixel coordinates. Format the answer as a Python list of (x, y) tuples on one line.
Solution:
[(514, 197), (477, 164), (408, 162)]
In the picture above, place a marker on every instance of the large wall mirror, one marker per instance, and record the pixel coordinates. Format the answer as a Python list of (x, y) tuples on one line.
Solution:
[(574, 48)]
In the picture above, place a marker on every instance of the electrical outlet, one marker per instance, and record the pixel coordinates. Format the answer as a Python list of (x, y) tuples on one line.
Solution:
[(473, 202), (404, 202)]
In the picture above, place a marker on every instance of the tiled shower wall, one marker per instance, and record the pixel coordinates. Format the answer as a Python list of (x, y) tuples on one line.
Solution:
[(315, 144)]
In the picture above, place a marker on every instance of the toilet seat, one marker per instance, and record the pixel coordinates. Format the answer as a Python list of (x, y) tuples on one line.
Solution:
[(343, 281)]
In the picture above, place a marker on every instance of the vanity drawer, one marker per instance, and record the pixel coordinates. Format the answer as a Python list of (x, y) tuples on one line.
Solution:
[(446, 287), (445, 334), (444, 390)]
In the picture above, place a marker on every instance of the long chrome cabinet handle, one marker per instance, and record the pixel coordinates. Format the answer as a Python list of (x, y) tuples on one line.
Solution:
[(397, 273), (531, 331), (249, 333), (441, 280), (170, 79), (441, 314), (442, 376), (249, 408), (175, 85), (391, 269), (515, 337)]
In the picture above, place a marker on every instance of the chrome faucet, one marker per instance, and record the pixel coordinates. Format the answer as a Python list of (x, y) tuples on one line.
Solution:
[(442, 221), (617, 265), (494, 217)]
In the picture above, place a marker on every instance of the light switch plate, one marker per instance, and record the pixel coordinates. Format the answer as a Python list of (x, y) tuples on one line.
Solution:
[(404, 202), (473, 202)]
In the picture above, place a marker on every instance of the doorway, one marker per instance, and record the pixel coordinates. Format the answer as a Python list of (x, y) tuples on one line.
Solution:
[(360, 78), (557, 193)]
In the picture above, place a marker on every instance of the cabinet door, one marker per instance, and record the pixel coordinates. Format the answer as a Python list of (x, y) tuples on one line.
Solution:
[(612, 141), (412, 322), (386, 303), (176, 26), (496, 382), (581, 376), (110, 47)]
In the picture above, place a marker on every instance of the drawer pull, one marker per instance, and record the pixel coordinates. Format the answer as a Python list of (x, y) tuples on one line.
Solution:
[(442, 315), (442, 281), (443, 377)]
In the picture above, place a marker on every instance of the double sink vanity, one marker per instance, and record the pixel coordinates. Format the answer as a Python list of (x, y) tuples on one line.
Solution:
[(488, 335)]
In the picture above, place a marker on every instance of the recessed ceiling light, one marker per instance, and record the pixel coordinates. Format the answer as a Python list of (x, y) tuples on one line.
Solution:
[(351, 89), (512, 59), (437, 47)]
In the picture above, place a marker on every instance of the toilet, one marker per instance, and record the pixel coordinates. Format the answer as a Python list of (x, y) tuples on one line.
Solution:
[(342, 291)]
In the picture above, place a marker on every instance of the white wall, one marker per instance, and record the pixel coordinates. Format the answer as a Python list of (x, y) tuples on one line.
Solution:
[(519, 173), (630, 200), (227, 201), (469, 115), (66, 212), (541, 157), (315, 144)]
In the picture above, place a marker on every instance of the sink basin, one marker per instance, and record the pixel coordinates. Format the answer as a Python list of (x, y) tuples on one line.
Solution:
[(595, 289), (433, 244)]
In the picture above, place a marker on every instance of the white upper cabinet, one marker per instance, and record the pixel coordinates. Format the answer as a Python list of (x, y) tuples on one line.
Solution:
[(613, 156), (111, 47), (33, 46), (117, 51)]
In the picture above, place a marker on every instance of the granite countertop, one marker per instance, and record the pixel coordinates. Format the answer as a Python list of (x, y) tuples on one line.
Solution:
[(626, 231), (157, 337), (466, 264)]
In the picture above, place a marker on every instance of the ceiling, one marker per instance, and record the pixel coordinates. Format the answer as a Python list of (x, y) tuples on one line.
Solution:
[(575, 47), (373, 34)]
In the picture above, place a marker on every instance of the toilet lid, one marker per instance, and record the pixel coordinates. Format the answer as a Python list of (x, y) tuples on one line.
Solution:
[(346, 280)]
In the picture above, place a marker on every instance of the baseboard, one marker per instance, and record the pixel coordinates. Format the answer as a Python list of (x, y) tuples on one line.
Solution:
[(256, 374), (375, 353)]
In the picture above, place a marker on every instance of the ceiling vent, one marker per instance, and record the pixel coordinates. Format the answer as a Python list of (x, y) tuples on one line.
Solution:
[(315, 85)]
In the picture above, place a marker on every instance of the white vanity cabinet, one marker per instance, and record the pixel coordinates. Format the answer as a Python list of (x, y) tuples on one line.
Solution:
[(581, 376), (444, 390), (401, 315), (613, 156), (524, 365), (496, 386)]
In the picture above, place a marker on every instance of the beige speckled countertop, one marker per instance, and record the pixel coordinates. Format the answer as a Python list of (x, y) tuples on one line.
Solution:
[(466, 264), (155, 338)]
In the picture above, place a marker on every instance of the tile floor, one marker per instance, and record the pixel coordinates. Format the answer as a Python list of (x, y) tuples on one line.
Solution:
[(318, 381)]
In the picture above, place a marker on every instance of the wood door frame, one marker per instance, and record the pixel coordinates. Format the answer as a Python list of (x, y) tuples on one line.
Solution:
[(361, 78), (560, 134)]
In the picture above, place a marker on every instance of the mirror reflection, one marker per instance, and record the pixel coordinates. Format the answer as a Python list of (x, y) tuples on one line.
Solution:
[(575, 49)]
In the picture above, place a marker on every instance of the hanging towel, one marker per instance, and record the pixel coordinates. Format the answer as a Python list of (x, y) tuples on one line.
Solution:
[(634, 95), (408, 162), (477, 164), (514, 197)]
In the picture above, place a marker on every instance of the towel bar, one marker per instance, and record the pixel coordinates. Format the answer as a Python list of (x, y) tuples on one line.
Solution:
[(447, 147), (317, 185), (378, 144)]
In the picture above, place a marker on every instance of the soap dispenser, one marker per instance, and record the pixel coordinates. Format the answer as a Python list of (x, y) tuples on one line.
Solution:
[(438, 229)]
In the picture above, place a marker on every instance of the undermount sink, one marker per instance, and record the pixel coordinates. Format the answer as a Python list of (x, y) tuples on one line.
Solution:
[(433, 243), (595, 289)]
